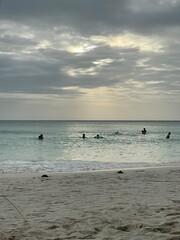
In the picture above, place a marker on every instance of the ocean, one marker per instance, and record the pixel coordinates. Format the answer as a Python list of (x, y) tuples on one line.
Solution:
[(64, 150)]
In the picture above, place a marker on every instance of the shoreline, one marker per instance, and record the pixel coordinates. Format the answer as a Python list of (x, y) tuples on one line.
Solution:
[(136, 204), (39, 173)]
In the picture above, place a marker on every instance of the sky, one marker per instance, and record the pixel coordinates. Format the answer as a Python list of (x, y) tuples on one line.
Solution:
[(89, 59)]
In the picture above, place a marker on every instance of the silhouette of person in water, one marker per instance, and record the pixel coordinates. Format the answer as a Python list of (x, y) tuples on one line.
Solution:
[(144, 131), (98, 136), (168, 136), (41, 137), (83, 136)]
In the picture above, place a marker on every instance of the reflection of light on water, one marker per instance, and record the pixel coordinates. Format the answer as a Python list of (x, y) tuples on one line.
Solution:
[(63, 148)]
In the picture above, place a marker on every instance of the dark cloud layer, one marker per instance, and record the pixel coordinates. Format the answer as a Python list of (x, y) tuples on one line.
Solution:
[(89, 17)]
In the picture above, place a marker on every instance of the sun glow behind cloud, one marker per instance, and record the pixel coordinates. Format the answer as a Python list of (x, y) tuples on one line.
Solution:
[(124, 40), (80, 48), (91, 71), (129, 40)]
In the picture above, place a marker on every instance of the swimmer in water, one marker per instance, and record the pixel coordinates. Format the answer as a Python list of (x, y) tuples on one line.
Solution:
[(168, 136), (144, 131), (83, 136), (97, 136), (41, 137)]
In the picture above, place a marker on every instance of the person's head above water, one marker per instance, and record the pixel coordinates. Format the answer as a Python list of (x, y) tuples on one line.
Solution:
[(168, 136), (41, 136), (98, 136), (144, 131)]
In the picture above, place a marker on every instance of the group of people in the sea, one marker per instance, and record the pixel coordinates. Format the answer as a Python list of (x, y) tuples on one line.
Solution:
[(97, 136), (144, 131)]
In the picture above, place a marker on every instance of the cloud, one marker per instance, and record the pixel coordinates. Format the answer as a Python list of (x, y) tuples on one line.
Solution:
[(77, 49)]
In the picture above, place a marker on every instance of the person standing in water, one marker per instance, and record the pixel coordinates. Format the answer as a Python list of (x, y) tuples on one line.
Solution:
[(168, 136), (83, 136)]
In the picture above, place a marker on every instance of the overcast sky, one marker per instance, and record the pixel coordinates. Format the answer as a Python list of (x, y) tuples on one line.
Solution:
[(90, 59)]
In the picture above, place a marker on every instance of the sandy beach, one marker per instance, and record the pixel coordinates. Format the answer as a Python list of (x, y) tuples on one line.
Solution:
[(136, 204)]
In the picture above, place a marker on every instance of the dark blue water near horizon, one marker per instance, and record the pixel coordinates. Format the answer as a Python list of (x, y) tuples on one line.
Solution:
[(64, 150)]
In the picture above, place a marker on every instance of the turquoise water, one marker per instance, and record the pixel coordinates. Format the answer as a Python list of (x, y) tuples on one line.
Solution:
[(64, 150)]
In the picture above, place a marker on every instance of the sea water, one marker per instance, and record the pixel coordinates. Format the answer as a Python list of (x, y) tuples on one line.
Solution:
[(64, 150)]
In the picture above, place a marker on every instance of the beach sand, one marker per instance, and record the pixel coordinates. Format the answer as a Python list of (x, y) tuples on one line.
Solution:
[(136, 204)]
